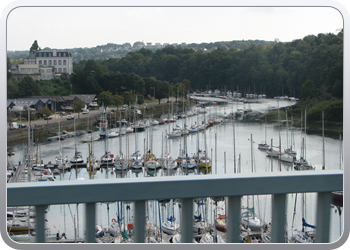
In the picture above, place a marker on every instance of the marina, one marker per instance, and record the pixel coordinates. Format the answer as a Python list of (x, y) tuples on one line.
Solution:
[(228, 147)]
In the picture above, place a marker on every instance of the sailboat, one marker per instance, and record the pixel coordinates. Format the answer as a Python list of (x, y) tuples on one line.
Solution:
[(170, 226), (264, 145), (200, 226)]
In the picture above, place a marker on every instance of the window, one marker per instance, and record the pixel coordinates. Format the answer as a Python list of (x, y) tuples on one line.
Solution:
[(59, 62), (54, 62), (64, 70), (44, 54), (40, 62), (64, 62), (60, 70), (59, 54), (50, 62), (45, 62)]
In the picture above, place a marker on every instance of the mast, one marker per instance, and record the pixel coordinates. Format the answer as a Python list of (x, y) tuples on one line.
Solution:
[(324, 160)]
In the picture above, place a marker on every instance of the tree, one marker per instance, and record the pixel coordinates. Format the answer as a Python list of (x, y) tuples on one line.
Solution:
[(28, 87), (129, 97), (105, 98), (118, 100), (34, 47), (140, 99), (45, 111), (77, 106), (309, 90)]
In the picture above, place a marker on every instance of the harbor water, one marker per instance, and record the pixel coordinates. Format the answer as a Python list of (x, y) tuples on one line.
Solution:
[(232, 145)]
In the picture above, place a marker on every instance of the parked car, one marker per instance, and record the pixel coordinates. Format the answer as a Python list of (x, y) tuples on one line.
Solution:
[(22, 125), (86, 111), (123, 108), (71, 117), (13, 125), (47, 118)]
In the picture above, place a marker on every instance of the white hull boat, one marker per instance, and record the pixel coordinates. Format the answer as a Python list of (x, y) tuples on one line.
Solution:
[(170, 227), (209, 238)]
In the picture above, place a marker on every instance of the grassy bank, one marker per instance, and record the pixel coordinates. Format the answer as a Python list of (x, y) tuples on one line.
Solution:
[(333, 117)]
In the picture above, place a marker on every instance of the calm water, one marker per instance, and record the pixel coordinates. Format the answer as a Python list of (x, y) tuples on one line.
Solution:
[(61, 217)]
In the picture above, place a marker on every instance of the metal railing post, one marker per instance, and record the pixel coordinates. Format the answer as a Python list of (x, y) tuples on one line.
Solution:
[(39, 223), (186, 220), (90, 216), (324, 200), (278, 218), (139, 221), (233, 219)]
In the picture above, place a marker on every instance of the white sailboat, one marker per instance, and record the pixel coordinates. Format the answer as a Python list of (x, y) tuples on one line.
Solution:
[(170, 226)]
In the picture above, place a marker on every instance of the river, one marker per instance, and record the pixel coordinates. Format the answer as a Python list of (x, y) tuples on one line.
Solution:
[(248, 158)]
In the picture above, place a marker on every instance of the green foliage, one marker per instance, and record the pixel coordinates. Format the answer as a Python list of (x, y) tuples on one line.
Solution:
[(78, 105), (34, 46), (308, 68), (309, 90), (333, 111), (45, 111), (140, 99), (128, 97), (54, 87), (28, 87), (105, 99), (118, 100)]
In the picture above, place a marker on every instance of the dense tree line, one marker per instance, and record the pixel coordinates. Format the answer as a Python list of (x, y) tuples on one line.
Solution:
[(310, 69), (111, 50), (292, 69)]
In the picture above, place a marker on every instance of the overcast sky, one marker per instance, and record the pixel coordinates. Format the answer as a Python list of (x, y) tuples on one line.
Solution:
[(70, 27)]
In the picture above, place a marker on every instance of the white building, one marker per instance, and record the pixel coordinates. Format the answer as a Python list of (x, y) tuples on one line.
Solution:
[(61, 60), (45, 64)]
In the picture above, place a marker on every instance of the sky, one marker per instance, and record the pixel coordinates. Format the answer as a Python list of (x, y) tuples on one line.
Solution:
[(75, 27)]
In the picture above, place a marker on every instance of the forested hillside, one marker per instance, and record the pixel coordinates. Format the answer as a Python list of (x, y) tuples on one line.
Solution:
[(310, 69)]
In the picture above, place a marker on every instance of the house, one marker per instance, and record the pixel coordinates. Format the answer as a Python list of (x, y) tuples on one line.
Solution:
[(53, 103), (44, 64)]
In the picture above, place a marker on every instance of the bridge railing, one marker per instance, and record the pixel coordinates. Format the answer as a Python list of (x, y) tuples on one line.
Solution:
[(186, 188)]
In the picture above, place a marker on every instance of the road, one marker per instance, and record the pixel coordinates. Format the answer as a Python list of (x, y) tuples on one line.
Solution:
[(93, 113)]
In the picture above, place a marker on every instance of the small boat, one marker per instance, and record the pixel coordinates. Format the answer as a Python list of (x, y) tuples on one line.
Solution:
[(287, 158), (155, 122), (300, 237), (99, 231), (152, 164), (170, 227), (120, 163), (290, 152), (61, 159), (302, 164), (139, 128), (193, 129), (18, 225), (221, 223), (177, 239), (263, 146), (211, 238), (175, 134), (77, 158), (338, 195), (107, 159), (272, 153), (204, 162), (94, 163), (250, 220), (189, 163), (106, 134)]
